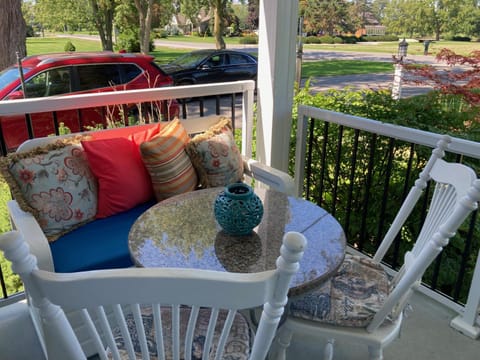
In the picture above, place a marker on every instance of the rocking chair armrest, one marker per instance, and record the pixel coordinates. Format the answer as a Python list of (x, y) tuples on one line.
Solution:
[(26, 223), (276, 179)]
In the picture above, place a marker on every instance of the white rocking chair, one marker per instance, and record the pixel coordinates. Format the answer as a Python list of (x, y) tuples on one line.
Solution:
[(361, 304), (158, 313)]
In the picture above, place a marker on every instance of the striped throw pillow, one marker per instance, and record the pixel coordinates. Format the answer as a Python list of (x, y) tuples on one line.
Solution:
[(169, 166)]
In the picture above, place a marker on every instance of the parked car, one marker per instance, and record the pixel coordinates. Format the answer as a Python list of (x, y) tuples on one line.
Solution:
[(208, 66), (77, 73)]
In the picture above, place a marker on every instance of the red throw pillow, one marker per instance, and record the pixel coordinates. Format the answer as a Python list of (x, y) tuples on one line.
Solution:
[(123, 181), (143, 133), (142, 136)]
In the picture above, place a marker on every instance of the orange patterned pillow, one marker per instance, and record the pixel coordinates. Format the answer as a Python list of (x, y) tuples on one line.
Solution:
[(168, 164)]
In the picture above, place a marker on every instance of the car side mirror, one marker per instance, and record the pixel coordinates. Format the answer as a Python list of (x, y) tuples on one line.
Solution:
[(15, 95), (205, 67)]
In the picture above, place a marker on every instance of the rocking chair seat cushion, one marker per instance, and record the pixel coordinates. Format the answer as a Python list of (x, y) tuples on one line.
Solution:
[(350, 298), (237, 346)]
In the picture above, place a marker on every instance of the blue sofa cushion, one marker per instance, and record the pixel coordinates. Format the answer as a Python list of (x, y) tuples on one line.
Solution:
[(100, 244)]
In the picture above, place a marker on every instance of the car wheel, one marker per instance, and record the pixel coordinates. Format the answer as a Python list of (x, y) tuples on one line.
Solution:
[(184, 83)]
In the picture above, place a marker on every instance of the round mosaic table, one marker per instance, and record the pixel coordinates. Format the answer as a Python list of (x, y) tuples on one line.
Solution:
[(182, 232)]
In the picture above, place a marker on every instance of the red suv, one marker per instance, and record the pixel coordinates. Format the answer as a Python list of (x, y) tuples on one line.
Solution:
[(76, 73)]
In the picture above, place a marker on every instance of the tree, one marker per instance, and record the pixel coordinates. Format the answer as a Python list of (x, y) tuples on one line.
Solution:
[(144, 8), (12, 32), (326, 16), (64, 15), (378, 8), (462, 83), (219, 11), (189, 9), (135, 20), (400, 17), (252, 20), (437, 17), (103, 13)]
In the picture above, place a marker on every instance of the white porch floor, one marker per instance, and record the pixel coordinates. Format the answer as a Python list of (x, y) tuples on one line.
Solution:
[(426, 335)]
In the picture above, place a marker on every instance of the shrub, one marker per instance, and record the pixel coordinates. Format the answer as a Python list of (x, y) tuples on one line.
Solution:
[(461, 38), (350, 39), (312, 40), (450, 37), (326, 39), (337, 40), (130, 41), (30, 32), (374, 38), (252, 39), (69, 46), (160, 33)]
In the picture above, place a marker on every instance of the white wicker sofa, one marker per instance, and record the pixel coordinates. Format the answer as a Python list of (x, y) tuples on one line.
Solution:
[(108, 236), (102, 243)]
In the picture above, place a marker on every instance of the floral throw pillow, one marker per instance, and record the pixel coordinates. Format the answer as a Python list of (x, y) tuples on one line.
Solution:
[(215, 155), (55, 184)]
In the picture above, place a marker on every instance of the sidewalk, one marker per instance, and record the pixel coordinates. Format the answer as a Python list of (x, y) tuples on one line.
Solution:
[(363, 81)]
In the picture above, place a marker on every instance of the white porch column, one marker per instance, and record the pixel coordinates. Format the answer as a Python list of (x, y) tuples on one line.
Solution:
[(276, 76)]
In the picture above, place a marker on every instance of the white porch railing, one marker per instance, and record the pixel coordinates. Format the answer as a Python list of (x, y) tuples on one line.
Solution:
[(56, 103), (468, 320)]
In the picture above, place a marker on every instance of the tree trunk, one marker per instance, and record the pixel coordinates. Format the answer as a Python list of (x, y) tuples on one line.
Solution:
[(144, 8), (104, 22), (12, 32), (218, 24)]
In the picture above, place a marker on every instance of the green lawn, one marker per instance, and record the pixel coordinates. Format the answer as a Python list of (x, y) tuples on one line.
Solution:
[(344, 67), (202, 39), (164, 55), (414, 48), (44, 45)]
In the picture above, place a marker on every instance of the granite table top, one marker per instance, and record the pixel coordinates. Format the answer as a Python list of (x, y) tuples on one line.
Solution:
[(182, 232)]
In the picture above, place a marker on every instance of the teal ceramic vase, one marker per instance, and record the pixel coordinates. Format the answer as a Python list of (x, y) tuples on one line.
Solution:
[(238, 209)]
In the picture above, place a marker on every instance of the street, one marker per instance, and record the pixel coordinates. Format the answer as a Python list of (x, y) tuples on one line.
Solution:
[(373, 81)]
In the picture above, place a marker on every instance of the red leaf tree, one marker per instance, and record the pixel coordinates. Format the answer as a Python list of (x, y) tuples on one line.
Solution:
[(462, 77)]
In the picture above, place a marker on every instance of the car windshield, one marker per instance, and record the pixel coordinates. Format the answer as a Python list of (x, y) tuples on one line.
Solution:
[(9, 75), (189, 60)]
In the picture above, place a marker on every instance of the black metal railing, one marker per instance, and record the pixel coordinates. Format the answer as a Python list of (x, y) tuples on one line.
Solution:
[(362, 177)]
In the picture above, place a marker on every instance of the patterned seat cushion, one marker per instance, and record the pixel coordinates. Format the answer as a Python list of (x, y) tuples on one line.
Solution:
[(237, 346), (350, 298)]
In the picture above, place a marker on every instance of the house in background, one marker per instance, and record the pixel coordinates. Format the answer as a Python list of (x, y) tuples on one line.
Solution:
[(371, 27), (180, 24)]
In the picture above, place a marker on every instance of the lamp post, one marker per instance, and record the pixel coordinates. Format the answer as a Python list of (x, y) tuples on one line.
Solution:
[(298, 67), (397, 77)]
